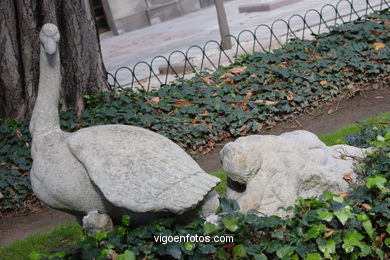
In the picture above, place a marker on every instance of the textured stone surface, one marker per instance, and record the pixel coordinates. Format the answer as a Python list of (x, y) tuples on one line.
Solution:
[(94, 222), (278, 169), (114, 169), (140, 170)]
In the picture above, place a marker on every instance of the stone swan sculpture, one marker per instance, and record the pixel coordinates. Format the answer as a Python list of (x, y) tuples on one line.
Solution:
[(110, 169), (266, 172)]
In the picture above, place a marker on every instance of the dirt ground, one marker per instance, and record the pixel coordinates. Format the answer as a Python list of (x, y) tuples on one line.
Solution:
[(347, 112)]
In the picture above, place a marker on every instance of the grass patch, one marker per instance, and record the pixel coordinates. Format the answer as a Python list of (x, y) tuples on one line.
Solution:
[(338, 137), (62, 237)]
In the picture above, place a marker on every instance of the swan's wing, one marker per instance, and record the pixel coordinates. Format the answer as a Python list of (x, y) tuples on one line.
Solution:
[(140, 170)]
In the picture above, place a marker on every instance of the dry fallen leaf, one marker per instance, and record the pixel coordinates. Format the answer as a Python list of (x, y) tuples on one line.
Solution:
[(348, 178), (1, 196), (331, 111), (380, 238), (204, 114), (238, 70), (366, 206), (283, 64), (266, 102), (329, 232), (226, 75), (183, 103), (343, 194), (260, 125), (208, 80), (247, 97), (18, 133), (172, 112), (112, 256), (323, 82), (378, 45), (155, 99), (290, 96), (270, 103), (244, 129)]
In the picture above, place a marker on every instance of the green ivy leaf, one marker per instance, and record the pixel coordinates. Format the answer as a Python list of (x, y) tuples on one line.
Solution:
[(367, 225), (344, 214), (126, 220), (239, 252), (380, 138), (352, 239), (207, 249), (101, 235), (388, 229), (328, 248), (228, 205), (210, 228), (313, 256), (127, 255), (285, 252), (230, 223), (221, 254), (260, 257), (338, 198), (326, 215), (189, 246), (314, 231), (35, 256), (378, 181)]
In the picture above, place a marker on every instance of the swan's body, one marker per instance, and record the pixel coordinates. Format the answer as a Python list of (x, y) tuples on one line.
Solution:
[(115, 169)]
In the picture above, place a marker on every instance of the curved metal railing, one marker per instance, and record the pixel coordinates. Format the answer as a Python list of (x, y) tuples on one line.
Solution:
[(161, 70)]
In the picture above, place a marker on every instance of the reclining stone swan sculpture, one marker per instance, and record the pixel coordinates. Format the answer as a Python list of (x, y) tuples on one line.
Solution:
[(111, 169), (267, 172)]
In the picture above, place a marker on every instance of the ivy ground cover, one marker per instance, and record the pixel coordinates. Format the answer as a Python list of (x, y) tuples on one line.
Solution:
[(252, 94), (349, 225)]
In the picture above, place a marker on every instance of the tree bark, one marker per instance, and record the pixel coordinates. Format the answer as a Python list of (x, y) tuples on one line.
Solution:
[(82, 67), (11, 83)]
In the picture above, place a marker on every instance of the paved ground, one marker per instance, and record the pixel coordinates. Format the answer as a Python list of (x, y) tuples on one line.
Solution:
[(198, 27)]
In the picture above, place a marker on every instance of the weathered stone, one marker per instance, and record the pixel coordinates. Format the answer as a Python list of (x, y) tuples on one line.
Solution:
[(278, 169), (113, 169), (94, 222)]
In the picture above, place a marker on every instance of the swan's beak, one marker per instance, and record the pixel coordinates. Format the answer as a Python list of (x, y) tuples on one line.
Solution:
[(50, 46)]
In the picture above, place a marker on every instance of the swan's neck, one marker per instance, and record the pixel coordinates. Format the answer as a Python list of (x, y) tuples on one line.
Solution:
[(45, 117)]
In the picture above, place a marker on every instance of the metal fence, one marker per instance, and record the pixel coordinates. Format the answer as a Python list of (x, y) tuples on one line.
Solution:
[(179, 64)]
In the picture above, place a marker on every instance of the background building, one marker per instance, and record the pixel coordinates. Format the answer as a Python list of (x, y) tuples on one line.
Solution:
[(126, 15)]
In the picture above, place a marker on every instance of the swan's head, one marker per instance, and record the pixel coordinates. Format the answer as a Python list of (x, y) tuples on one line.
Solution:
[(49, 37)]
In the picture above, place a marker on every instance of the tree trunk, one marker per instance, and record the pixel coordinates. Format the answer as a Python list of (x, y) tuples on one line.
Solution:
[(82, 68), (11, 81)]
